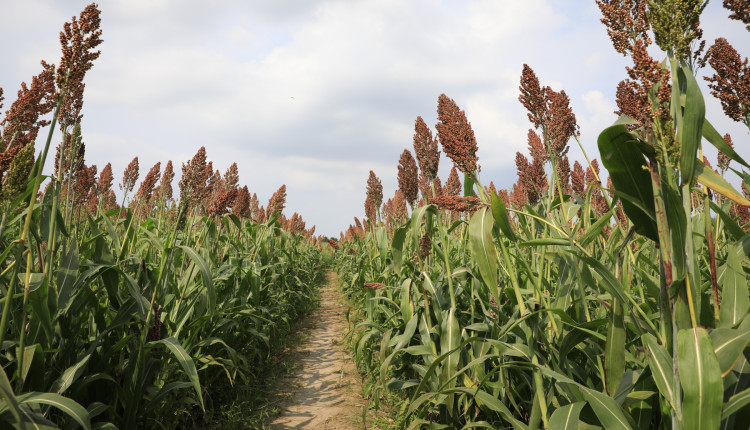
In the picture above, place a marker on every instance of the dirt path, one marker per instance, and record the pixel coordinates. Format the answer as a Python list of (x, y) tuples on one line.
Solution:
[(324, 392)]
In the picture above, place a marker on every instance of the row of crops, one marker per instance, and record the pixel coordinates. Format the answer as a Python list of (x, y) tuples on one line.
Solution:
[(569, 301), (140, 315)]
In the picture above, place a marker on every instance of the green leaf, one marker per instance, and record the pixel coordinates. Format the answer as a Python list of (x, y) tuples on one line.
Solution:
[(614, 352), (70, 375), (566, 417), (186, 362), (449, 340), (500, 213), (595, 229), (735, 301), (735, 403), (692, 123), (71, 408), (728, 345), (606, 409), (609, 282), (662, 368), (397, 246), (713, 136), (205, 274), (677, 231), (67, 273), (8, 396), (700, 378), (483, 249), (711, 179), (629, 172)]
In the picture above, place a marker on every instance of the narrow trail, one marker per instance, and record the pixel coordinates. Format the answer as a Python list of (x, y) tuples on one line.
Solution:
[(324, 392)]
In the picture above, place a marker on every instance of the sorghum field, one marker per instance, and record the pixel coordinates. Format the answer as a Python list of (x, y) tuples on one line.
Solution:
[(565, 301)]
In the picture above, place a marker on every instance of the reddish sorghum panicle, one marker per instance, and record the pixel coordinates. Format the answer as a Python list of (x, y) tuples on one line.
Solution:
[(425, 246), (398, 206), (333, 243), (83, 188), (563, 173), (426, 150), (130, 176), (104, 184), (408, 177), (374, 190), (453, 184), (536, 147), (165, 184), (592, 175), (195, 175), (561, 122), (254, 206), (456, 135), (221, 201), (533, 97), (277, 201), (456, 203), (241, 204), (578, 179), (145, 191), (231, 177), (518, 196), (374, 285), (370, 211), (78, 40), (740, 10), (626, 21), (731, 80), (723, 159), (22, 120)]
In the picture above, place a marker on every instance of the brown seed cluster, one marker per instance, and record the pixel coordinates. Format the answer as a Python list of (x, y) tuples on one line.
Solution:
[(426, 150), (374, 190), (221, 202), (731, 81), (457, 204), (425, 246), (578, 179), (740, 10), (374, 285), (626, 21), (277, 202), (333, 243), (408, 177), (723, 159), (457, 136), (453, 184), (241, 204), (23, 119), (78, 40), (130, 176)]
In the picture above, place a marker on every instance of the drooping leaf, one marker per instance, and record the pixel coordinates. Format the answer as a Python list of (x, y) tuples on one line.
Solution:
[(186, 362), (629, 173), (711, 179)]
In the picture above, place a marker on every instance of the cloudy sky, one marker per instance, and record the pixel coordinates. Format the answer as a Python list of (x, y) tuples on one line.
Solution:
[(316, 93)]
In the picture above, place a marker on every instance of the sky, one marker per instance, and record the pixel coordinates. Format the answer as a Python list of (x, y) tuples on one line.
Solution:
[(316, 93)]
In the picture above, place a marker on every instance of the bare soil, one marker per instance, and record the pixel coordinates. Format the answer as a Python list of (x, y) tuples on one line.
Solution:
[(324, 392)]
